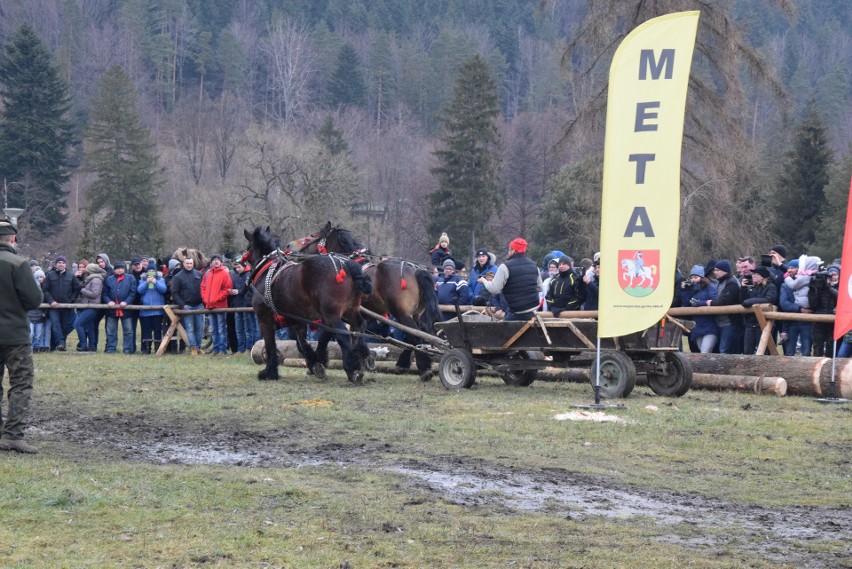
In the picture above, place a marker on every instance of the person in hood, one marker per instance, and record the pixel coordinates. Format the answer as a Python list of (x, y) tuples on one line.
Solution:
[(484, 263), (151, 293), (794, 298), (90, 294)]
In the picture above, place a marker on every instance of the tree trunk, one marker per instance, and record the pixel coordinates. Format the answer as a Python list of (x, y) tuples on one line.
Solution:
[(756, 384), (804, 375)]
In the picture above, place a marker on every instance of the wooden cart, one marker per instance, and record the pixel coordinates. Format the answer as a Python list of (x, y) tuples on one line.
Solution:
[(517, 350)]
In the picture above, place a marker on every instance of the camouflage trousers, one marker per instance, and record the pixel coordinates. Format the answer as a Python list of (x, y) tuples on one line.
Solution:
[(19, 361)]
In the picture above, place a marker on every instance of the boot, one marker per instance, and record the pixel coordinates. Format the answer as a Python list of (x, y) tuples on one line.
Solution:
[(146, 347), (193, 351), (17, 445)]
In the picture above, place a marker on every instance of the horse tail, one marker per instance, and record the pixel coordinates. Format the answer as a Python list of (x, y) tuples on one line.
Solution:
[(428, 300), (362, 281)]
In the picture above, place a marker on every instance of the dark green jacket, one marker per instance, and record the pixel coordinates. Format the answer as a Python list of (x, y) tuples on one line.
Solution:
[(20, 293)]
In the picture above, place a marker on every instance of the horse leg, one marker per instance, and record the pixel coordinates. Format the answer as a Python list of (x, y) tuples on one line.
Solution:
[(267, 329), (424, 364), (315, 367), (351, 359)]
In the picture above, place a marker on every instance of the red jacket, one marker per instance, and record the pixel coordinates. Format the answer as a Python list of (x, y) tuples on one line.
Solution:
[(215, 285)]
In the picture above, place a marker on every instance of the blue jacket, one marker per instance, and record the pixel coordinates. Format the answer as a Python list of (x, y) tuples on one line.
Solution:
[(117, 292), (477, 272), (152, 296), (448, 287), (704, 325), (787, 300)]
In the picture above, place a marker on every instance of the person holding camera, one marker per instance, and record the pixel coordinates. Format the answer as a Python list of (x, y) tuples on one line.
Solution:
[(758, 290), (822, 296), (697, 291)]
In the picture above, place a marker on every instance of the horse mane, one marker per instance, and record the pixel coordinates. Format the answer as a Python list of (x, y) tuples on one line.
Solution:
[(346, 239)]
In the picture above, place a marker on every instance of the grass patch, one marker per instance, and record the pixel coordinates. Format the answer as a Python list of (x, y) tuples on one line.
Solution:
[(87, 501)]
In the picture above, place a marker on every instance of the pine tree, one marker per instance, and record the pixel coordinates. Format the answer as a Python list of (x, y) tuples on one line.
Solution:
[(331, 138), (469, 187), (800, 196), (122, 212), (346, 86), (35, 133)]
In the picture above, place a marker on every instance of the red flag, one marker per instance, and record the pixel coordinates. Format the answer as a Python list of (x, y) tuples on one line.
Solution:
[(843, 315)]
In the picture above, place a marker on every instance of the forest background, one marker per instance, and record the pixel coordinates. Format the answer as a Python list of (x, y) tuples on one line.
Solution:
[(138, 126)]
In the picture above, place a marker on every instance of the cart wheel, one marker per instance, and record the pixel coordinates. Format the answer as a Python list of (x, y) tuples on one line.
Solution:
[(457, 369), (677, 381), (618, 375), (520, 377)]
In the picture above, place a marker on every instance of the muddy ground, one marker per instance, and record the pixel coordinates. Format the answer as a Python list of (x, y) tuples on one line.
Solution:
[(787, 535)]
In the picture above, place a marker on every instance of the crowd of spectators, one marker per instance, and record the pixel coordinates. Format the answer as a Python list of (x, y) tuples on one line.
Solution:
[(141, 282), (804, 285)]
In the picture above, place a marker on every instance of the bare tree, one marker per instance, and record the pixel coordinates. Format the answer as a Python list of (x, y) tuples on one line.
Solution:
[(228, 126), (289, 55), (190, 133)]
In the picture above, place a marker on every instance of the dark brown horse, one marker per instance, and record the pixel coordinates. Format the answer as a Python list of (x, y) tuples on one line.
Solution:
[(324, 288), (400, 288)]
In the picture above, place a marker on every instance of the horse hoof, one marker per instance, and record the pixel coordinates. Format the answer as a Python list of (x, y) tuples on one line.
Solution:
[(426, 375), (369, 363), (318, 370), (263, 376), (357, 378)]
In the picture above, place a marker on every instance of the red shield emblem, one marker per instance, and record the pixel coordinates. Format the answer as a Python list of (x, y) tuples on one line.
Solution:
[(638, 271)]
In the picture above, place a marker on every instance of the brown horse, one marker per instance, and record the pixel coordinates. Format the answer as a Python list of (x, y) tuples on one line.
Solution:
[(324, 288), (400, 287)]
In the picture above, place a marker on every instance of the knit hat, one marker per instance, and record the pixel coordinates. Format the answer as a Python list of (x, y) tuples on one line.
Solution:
[(33, 263), (780, 249), (723, 265), (152, 262), (38, 273), (448, 263), (173, 263), (566, 260), (762, 271), (444, 238), (215, 256), (120, 265), (518, 245), (697, 270), (553, 262), (833, 269), (794, 264), (60, 259)]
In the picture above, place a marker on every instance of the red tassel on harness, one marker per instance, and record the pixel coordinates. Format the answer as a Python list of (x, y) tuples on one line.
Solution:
[(402, 284), (322, 251), (280, 321), (340, 276)]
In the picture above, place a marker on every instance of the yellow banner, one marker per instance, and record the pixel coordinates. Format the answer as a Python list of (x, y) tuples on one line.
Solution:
[(640, 213)]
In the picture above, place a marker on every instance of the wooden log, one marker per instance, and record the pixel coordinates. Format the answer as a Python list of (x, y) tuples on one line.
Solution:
[(758, 385), (804, 375)]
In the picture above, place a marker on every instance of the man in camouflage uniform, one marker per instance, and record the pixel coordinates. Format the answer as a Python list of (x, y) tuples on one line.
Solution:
[(20, 293)]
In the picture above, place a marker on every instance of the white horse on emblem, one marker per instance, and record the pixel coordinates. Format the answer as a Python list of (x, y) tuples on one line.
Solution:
[(631, 271)]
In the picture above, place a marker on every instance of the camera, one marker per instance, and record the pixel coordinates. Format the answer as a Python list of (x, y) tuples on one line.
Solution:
[(749, 281), (819, 279), (766, 260)]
